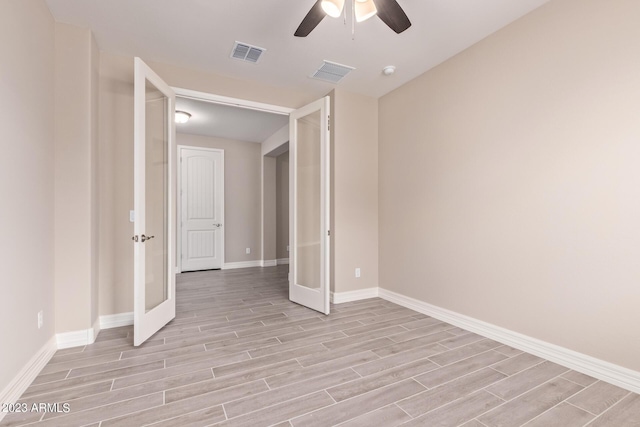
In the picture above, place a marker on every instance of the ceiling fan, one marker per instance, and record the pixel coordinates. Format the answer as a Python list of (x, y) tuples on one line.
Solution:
[(389, 11)]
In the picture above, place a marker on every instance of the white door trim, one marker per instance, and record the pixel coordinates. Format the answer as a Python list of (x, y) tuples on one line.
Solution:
[(235, 102), (179, 200)]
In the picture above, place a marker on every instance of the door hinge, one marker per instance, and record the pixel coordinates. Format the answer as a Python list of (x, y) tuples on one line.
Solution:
[(328, 232), (329, 122)]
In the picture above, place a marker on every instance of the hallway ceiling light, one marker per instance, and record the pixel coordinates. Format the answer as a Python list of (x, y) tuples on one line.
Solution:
[(182, 117), (388, 70)]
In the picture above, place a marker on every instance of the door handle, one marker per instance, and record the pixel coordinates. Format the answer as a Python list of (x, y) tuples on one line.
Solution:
[(144, 238), (217, 225)]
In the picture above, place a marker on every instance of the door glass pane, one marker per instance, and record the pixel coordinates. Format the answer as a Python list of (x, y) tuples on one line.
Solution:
[(308, 210), (156, 191)]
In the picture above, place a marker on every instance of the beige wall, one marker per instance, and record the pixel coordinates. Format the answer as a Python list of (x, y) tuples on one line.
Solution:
[(242, 193), (269, 208), (116, 163), (282, 205), (354, 191), (95, 181), (75, 179), (510, 185), (26, 182), (115, 271)]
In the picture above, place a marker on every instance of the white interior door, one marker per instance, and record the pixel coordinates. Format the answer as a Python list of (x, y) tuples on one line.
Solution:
[(309, 205), (202, 208), (154, 203)]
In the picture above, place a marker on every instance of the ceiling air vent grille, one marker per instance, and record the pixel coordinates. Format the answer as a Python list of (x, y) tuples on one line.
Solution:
[(247, 52), (331, 72)]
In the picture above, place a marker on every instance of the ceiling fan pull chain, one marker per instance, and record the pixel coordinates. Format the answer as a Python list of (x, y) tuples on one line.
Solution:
[(353, 19)]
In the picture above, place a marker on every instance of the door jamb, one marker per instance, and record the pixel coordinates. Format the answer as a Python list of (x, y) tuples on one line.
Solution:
[(234, 102)]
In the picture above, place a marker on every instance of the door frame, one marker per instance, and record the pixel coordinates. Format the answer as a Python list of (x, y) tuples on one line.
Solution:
[(234, 102), (179, 202)]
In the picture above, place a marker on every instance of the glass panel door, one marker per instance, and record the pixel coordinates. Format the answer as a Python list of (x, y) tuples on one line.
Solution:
[(154, 203), (309, 151), (308, 198), (156, 192)]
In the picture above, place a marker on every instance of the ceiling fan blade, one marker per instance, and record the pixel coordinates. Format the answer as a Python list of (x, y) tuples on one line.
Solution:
[(313, 18), (392, 14)]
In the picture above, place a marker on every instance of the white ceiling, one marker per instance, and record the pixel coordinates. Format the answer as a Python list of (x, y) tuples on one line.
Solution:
[(200, 34), (223, 121)]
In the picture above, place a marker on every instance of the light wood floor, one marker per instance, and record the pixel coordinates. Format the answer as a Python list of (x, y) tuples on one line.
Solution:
[(240, 354)]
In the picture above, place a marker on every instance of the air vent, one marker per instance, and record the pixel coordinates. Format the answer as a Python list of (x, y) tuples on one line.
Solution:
[(246, 52), (331, 72)]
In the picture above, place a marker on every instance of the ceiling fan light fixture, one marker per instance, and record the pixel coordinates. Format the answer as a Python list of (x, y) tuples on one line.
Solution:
[(182, 117), (333, 8), (365, 9)]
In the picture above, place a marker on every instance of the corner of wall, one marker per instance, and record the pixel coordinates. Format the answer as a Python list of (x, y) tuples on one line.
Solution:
[(75, 178), (354, 204)]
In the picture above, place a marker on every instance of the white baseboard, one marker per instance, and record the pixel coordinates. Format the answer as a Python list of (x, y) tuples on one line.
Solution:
[(27, 374), (75, 338), (605, 371), (88, 336), (241, 264), (116, 320), (340, 297), (256, 263)]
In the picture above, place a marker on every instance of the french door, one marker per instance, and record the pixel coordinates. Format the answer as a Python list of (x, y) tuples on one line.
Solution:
[(309, 206), (154, 203)]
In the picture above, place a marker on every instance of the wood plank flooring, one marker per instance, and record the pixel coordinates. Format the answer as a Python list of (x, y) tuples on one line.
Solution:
[(240, 354)]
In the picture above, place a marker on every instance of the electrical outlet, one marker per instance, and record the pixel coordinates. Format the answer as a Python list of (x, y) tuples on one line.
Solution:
[(248, 251), (358, 272), (40, 319)]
